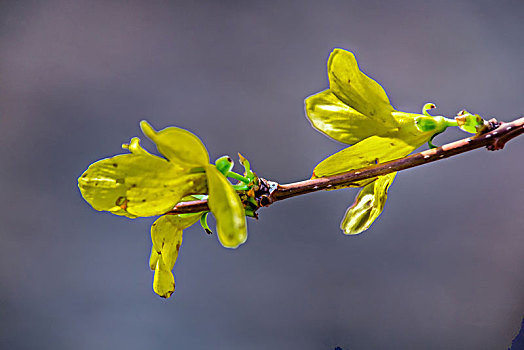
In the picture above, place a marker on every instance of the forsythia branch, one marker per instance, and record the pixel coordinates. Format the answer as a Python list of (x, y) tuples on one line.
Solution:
[(493, 140)]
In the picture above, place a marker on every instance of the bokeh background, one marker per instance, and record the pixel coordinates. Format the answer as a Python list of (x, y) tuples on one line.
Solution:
[(442, 268)]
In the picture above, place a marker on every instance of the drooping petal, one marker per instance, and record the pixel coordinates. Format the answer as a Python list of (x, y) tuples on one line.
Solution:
[(163, 281), (356, 89), (166, 235), (329, 115), (178, 145), (372, 150), (227, 209), (368, 206), (137, 185)]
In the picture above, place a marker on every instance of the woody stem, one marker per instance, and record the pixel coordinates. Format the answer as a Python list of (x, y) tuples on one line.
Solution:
[(493, 140)]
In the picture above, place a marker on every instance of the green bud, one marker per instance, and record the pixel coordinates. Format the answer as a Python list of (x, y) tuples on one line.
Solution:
[(427, 107), (224, 164), (468, 122)]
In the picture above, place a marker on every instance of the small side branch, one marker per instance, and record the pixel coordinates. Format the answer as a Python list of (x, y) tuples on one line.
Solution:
[(492, 140)]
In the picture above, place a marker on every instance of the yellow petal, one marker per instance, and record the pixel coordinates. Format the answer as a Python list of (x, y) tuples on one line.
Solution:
[(368, 206), (178, 145), (356, 89), (163, 281), (226, 208), (137, 185), (367, 152), (166, 234), (329, 115)]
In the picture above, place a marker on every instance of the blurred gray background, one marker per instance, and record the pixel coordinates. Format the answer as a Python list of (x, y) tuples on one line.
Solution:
[(442, 268)]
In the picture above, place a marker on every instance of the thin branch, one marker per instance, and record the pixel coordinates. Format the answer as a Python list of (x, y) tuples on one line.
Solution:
[(493, 140)]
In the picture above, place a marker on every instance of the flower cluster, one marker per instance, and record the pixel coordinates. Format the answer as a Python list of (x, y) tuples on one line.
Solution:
[(140, 184), (356, 110)]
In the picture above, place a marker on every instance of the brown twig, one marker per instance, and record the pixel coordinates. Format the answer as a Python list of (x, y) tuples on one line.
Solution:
[(493, 140)]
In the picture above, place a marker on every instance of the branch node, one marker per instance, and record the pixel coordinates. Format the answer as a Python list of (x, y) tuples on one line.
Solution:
[(264, 192)]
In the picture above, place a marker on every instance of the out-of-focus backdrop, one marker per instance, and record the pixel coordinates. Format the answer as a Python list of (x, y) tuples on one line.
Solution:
[(442, 268)]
